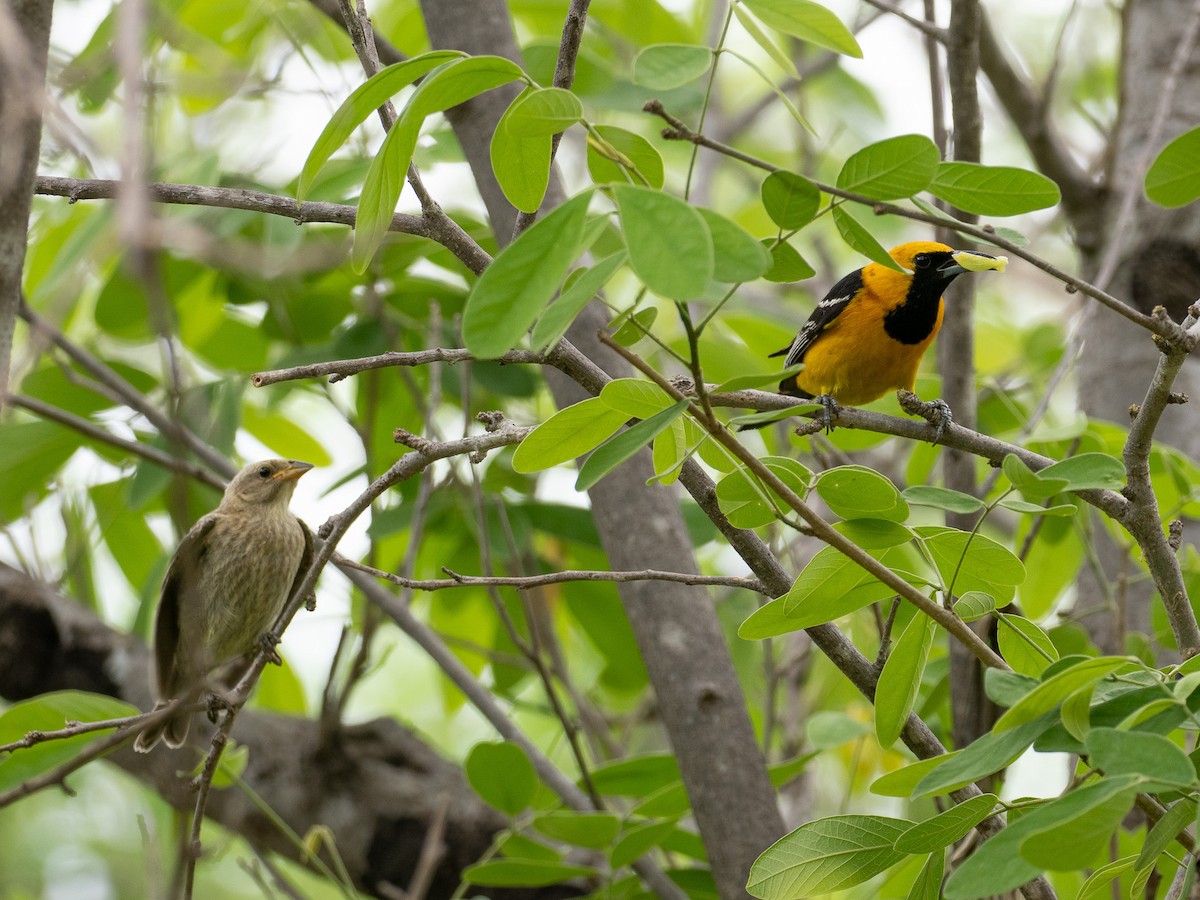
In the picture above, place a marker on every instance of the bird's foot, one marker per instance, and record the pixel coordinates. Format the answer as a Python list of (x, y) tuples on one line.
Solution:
[(217, 703), (829, 411), (267, 642), (935, 412)]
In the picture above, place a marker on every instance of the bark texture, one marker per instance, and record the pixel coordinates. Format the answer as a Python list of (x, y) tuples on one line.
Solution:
[(1157, 264), (24, 42)]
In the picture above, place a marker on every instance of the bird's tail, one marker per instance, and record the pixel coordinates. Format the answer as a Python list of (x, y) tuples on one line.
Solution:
[(172, 731)]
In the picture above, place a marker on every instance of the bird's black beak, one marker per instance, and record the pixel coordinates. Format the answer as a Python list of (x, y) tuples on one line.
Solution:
[(293, 470)]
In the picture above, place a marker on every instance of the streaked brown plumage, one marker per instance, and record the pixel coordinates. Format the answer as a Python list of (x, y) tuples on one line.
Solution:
[(226, 584)]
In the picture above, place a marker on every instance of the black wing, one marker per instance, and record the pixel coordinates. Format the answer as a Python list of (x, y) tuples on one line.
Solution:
[(184, 563), (838, 298)]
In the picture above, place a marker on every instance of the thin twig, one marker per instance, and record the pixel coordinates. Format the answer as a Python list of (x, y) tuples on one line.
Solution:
[(528, 582), (564, 77)]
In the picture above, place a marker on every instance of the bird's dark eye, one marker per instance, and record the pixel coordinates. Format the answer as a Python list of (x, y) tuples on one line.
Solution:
[(921, 261), (264, 472)]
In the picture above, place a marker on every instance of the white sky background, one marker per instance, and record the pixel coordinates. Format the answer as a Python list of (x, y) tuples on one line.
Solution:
[(286, 127)]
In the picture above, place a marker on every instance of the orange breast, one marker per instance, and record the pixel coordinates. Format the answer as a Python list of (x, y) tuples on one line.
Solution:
[(856, 361)]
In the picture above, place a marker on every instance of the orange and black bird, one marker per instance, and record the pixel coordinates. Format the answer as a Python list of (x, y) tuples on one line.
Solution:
[(868, 335), (226, 584)]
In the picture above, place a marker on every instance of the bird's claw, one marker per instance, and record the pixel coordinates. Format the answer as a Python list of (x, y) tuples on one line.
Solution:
[(936, 412), (217, 704), (829, 411), (267, 642)]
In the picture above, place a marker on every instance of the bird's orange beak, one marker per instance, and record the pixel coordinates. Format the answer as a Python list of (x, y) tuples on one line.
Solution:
[(294, 470)]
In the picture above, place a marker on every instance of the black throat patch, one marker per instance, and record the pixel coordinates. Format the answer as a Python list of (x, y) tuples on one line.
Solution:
[(912, 321)]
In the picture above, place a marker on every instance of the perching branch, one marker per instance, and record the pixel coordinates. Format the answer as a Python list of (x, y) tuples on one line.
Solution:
[(1143, 519), (529, 582)]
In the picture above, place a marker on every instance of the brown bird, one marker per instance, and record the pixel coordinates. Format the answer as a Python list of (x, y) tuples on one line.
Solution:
[(226, 584)]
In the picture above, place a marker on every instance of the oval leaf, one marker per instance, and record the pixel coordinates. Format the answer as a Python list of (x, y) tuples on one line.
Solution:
[(623, 445), (567, 435), (891, 169), (789, 199), (993, 190), (670, 246), (501, 774), (808, 21), (623, 157), (666, 66), (900, 679), (826, 855), (1174, 177), (522, 279)]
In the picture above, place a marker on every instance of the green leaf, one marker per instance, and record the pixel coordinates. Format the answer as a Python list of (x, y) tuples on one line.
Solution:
[(670, 246), (1173, 179), (993, 190), (625, 444), (1097, 885), (502, 775), (1034, 485), (972, 562), (663, 67), (751, 382), (555, 321), (1157, 759), (30, 454), (781, 617), (737, 255), (856, 492), (829, 728), (900, 679), (636, 776), (521, 162), (874, 534), (542, 112), (631, 151), (638, 840), (760, 37), (998, 866), (595, 830), (903, 782), (515, 288), (831, 586), (808, 21), (1064, 510), (984, 756), (1181, 814), (1050, 693), (790, 199), (523, 873), (948, 827), (858, 238), (1082, 838), (448, 85), (50, 712), (891, 169), (928, 884), (745, 502), (633, 325), (1088, 471), (567, 435), (942, 498), (826, 855), (284, 436), (635, 398), (1024, 646), (364, 100), (787, 264), (974, 605)]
